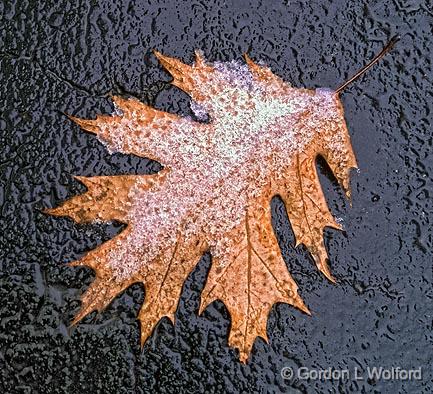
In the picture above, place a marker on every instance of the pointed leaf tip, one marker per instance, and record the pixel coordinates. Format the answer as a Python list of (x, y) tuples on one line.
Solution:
[(328, 275), (250, 63), (199, 58), (90, 125), (303, 308), (171, 64)]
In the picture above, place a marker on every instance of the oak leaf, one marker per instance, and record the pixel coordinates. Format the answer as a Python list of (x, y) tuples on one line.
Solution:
[(253, 136)]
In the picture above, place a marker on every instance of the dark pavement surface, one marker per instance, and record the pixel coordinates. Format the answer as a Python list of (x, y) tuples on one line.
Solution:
[(68, 57)]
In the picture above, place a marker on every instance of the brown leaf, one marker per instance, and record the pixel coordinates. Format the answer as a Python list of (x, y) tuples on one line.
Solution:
[(214, 193)]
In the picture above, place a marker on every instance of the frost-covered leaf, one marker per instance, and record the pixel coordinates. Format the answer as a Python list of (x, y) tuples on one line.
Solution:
[(214, 193)]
